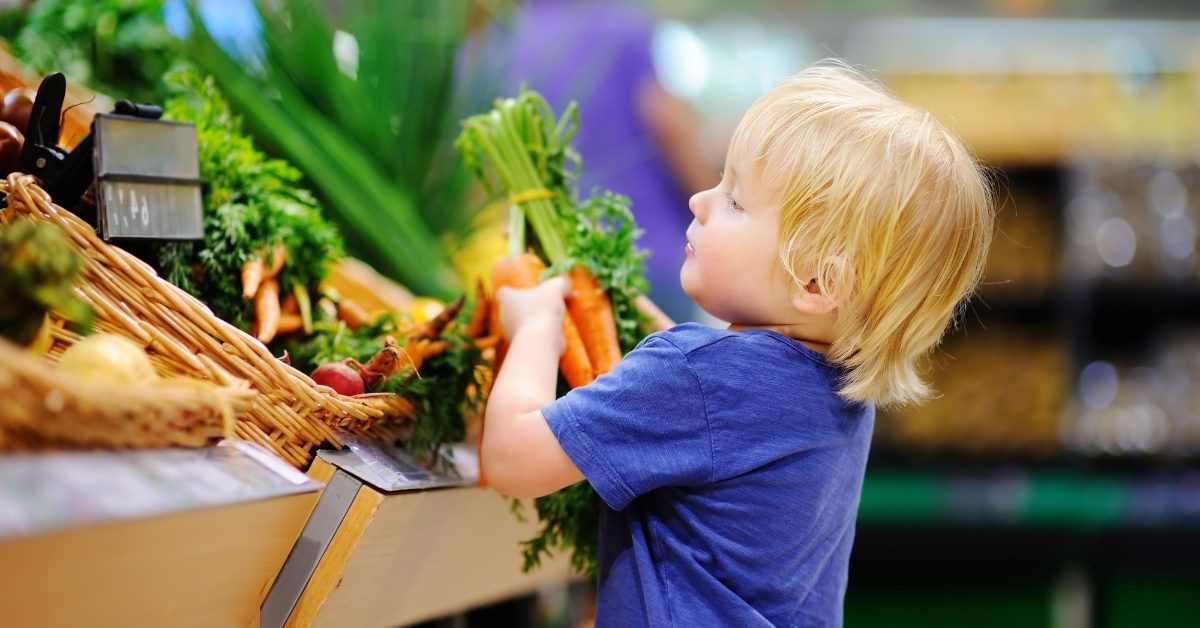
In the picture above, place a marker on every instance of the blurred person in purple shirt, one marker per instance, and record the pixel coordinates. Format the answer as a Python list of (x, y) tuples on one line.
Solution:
[(635, 138)]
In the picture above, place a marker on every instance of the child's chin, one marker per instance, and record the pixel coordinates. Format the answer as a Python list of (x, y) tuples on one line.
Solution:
[(688, 280)]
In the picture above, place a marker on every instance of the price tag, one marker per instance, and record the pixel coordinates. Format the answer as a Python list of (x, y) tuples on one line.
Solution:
[(147, 179)]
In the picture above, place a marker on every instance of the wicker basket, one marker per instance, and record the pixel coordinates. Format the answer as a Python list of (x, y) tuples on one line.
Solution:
[(291, 414), (48, 409)]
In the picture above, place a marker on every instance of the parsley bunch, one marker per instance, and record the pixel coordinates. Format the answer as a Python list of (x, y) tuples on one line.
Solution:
[(250, 202)]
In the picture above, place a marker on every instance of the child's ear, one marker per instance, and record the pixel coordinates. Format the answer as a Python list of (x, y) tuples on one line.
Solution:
[(808, 299)]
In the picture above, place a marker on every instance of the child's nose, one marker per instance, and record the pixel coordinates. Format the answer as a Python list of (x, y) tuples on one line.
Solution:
[(696, 205)]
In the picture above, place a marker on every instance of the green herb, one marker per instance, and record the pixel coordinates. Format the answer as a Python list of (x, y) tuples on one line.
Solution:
[(605, 241), (334, 341), (251, 202), (118, 47), (38, 271), (443, 393), (570, 520)]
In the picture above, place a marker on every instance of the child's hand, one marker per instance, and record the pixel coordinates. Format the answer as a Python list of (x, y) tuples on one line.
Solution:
[(522, 307)]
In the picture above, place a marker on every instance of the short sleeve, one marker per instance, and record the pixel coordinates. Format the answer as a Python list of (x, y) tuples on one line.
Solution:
[(638, 427)]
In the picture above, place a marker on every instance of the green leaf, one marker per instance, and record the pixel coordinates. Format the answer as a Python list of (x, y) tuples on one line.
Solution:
[(251, 202)]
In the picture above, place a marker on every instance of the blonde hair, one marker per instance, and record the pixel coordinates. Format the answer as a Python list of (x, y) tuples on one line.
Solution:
[(883, 207)]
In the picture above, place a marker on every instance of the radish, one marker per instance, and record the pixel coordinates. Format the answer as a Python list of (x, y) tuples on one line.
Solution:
[(341, 377)]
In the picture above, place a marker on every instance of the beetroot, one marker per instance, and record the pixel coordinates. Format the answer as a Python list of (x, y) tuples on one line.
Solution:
[(340, 377)]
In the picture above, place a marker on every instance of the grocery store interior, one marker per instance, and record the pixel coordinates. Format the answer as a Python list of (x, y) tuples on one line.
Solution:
[(295, 441)]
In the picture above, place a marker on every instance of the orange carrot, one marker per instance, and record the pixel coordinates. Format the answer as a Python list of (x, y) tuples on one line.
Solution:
[(255, 270), (477, 326), (575, 365), (524, 271), (252, 276), (289, 323), (659, 319), (518, 271), (278, 257), (290, 305), (352, 313), (266, 310), (591, 310)]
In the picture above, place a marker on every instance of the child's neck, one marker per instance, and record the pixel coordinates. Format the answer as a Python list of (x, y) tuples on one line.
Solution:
[(800, 333)]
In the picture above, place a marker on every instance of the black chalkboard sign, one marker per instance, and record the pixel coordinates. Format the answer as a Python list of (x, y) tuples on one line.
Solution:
[(147, 179)]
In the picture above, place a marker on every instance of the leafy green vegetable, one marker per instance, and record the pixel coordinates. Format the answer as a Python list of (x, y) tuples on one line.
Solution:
[(333, 341), (250, 203), (605, 240), (118, 47), (443, 393), (366, 110), (520, 149), (570, 519), (38, 271)]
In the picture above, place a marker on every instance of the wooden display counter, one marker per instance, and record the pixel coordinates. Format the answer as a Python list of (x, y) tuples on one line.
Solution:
[(155, 538), (370, 557)]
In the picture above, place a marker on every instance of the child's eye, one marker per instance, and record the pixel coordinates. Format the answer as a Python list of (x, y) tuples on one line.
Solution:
[(732, 204)]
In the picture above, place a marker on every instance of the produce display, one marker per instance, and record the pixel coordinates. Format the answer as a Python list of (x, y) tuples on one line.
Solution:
[(265, 238), (367, 109), (267, 252), (105, 390), (522, 150), (345, 168)]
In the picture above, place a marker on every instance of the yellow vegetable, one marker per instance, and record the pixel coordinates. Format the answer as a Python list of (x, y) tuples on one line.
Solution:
[(108, 357), (422, 309)]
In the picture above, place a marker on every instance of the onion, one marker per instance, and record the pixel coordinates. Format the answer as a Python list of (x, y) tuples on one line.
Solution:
[(341, 377), (16, 107), (12, 142), (108, 357)]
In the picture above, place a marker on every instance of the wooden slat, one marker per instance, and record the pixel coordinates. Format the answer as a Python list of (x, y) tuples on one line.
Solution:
[(328, 575), (321, 471), (406, 557), (198, 568)]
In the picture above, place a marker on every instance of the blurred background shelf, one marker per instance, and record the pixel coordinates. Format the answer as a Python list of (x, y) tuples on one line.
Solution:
[(1025, 545)]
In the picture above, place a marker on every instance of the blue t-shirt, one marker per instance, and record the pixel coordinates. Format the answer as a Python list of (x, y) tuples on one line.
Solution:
[(731, 470)]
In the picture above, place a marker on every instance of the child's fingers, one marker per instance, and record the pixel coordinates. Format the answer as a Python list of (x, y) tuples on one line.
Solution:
[(558, 285), (519, 305)]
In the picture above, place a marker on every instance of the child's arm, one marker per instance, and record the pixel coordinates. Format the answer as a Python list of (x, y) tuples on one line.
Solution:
[(521, 456)]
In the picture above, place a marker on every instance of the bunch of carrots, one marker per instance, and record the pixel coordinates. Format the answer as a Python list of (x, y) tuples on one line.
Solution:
[(520, 149), (589, 330), (530, 154), (274, 316)]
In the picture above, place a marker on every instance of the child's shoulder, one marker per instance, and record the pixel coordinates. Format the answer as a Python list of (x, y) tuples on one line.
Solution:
[(692, 338), (688, 337)]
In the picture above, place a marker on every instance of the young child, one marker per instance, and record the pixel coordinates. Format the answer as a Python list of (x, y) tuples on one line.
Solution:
[(846, 231)]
